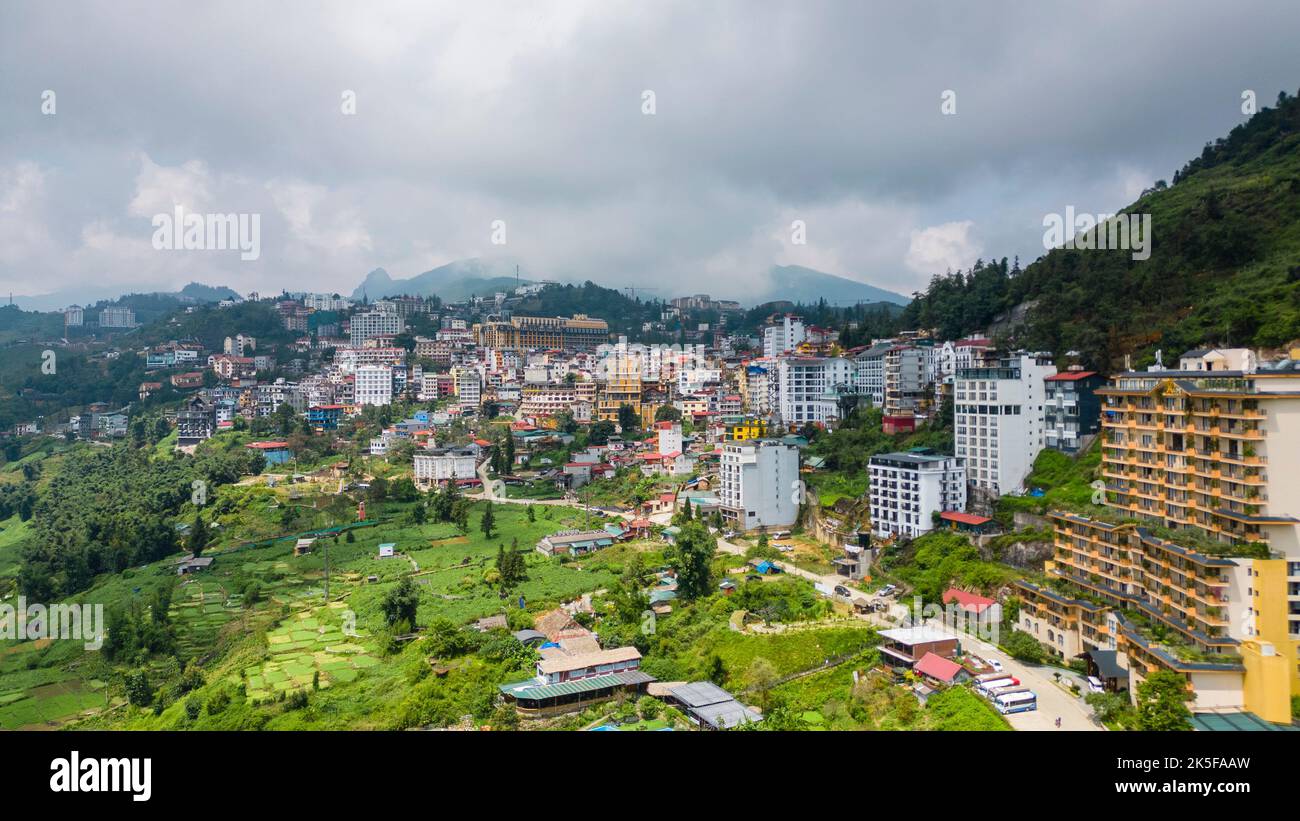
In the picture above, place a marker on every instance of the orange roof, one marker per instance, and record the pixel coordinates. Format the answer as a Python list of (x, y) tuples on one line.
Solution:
[(964, 518), (267, 445)]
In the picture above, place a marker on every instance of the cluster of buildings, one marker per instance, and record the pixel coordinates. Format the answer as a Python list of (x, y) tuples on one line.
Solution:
[(1191, 561)]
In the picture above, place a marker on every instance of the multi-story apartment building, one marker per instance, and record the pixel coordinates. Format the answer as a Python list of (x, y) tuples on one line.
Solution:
[(442, 465), (117, 318), (908, 489), (783, 336), (758, 386), (999, 420), (1071, 409), (348, 359), (760, 485), (373, 385), (580, 332), (239, 345), (467, 384), (195, 422), (370, 324), (809, 388), (1193, 565), (908, 380), (74, 316), (869, 372), (326, 302)]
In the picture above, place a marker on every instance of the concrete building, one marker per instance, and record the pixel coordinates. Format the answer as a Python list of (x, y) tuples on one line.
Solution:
[(373, 385), (1209, 457), (117, 318), (999, 420), (369, 324), (1071, 410), (760, 485), (908, 489), (808, 388), (783, 336), (443, 465), (869, 372), (467, 384), (580, 332)]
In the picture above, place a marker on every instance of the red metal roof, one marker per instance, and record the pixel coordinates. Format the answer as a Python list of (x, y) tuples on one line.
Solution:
[(968, 601), (1070, 376), (267, 445), (964, 518), (937, 667)]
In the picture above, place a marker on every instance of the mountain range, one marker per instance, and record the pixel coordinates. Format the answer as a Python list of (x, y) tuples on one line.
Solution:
[(458, 280)]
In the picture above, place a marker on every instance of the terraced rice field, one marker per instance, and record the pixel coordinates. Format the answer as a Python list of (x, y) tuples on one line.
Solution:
[(313, 641)]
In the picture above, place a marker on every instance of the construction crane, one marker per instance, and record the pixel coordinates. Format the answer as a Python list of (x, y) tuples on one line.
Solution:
[(633, 291)]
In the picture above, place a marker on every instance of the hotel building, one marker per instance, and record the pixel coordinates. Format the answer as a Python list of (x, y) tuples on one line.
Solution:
[(1193, 562)]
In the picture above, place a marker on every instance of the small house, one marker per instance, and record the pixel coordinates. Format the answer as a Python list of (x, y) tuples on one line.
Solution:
[(192, 564), (386, 550), (303, 546)]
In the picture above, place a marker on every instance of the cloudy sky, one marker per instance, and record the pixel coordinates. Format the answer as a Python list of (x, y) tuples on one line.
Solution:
[(534, 114)]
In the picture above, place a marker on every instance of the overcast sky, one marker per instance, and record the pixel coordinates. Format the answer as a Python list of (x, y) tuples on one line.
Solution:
[(532, 113)]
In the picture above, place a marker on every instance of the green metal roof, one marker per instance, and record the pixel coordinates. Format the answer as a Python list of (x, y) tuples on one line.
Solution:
[(530, 690), (1249, 722)]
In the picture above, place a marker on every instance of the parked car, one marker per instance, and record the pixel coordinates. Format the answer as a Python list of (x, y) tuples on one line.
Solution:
[(887, 590), (996, 665), (841, 590)]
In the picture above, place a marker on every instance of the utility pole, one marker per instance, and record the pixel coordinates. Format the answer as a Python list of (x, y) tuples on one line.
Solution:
[(327, 572)]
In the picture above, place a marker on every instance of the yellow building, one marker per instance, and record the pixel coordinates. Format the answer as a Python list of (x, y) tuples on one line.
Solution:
[(1195, 565), (540, 333), (741, 429)]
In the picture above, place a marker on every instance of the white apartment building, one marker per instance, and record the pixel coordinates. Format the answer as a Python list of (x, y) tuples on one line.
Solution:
[(758, 387), (443, 465), (999, 420), (760, 485), (907, 489), (370, 324), (467, 384), (239, 345), (373, 385), (326, 302), (348, 359), (869, 372), (670, 437), (783, 336), (806, 388), (117, 318)]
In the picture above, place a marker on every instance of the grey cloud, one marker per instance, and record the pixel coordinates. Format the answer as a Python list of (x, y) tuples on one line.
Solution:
[(469, 113)]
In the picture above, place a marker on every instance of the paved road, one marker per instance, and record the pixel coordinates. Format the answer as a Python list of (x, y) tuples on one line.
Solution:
[(1052, 700)]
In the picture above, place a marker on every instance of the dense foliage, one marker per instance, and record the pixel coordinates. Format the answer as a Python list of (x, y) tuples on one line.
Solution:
[(1222, 268), (110, 509)]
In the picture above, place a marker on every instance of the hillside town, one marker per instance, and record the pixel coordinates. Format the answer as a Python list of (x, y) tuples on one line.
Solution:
[(1168, 554)]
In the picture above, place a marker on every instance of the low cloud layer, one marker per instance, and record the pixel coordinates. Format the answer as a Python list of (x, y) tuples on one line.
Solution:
[(765, 114)]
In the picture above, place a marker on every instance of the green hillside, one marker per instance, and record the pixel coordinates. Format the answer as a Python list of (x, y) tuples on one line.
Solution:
[(1224, 267)]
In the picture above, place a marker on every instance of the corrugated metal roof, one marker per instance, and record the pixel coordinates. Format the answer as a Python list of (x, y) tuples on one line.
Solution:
[(530, 690)]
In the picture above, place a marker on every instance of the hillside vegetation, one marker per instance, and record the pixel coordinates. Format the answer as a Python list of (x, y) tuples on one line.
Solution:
[(1224, 266)]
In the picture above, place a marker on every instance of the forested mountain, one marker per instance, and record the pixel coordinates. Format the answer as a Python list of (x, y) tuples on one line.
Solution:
[(1224, 267)]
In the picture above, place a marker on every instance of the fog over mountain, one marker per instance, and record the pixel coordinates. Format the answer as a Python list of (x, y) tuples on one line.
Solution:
[(671, 145)]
